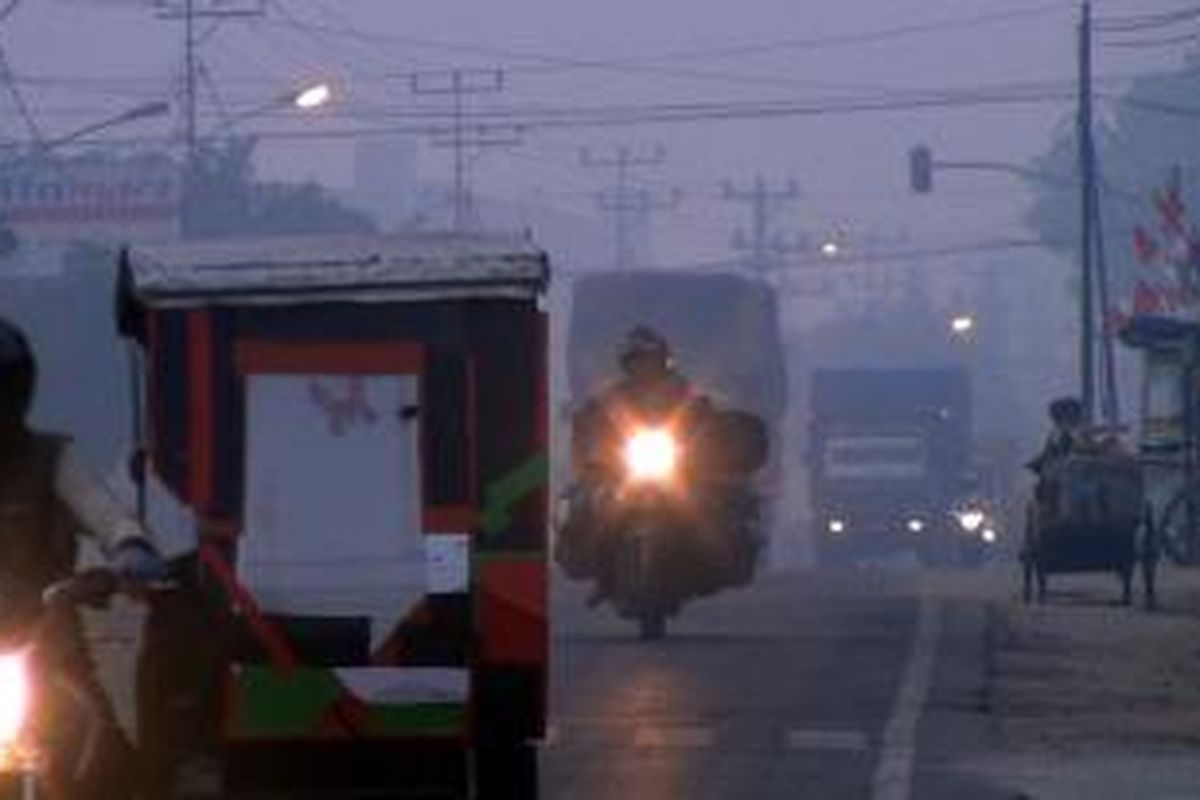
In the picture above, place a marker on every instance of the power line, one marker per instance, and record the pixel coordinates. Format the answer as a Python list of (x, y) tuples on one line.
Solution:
[(558, 63), (1134, 44), (18, 98), (1147, 21)]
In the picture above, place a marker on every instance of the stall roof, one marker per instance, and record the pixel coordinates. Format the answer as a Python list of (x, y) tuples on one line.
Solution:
[(359, 268)]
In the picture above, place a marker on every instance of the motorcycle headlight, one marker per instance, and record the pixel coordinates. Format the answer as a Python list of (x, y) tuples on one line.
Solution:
[(651, 455), (837, 526), (990, 536), (916, 525), (14, 697)]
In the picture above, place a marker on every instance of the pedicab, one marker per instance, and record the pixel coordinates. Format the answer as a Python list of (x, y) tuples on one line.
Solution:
[(358, 428), (1088, 514)]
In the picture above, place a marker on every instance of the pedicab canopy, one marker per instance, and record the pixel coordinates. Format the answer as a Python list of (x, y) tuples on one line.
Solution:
[(358, 426)]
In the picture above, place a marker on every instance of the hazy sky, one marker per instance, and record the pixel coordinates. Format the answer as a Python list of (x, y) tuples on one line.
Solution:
[(83, 59)]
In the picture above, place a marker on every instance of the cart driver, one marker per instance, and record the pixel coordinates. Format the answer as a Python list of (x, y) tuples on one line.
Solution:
[(1066, 416), (47, 499)]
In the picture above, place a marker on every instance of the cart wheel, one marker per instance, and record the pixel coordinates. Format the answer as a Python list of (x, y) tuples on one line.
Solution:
[(1150, 582)]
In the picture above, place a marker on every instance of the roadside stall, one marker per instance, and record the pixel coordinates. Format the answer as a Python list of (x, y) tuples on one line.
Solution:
[(358, 427), (1168, 439)]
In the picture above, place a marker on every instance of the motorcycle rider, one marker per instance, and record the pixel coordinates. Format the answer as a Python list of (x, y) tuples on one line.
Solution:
[(650, 387), (47, 500)]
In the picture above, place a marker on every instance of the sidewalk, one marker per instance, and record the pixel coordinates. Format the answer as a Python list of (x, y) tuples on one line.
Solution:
[(1082, 698)]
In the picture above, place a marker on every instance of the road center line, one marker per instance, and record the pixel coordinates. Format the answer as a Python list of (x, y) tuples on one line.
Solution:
[(893, 776), (831, 740), (685, 737)]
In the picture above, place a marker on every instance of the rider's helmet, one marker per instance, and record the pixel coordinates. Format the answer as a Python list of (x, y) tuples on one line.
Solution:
[(18, 374), (644, 351), (1067, 412)]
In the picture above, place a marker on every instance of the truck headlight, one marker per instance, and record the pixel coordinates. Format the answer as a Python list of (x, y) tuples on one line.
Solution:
[(971, 520)]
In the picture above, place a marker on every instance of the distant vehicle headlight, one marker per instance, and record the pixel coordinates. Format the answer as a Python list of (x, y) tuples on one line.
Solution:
[(837, 526), (916, 525), (990, 536), (971, 520)]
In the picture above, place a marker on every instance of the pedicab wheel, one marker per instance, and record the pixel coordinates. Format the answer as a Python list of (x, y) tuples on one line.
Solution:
[(506, 772), (1126, 576)]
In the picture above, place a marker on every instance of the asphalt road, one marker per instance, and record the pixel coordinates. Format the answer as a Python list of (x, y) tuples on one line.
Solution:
[(855, 684)]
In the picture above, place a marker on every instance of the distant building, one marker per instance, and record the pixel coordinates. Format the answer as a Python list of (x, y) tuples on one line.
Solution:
[(49, 200)]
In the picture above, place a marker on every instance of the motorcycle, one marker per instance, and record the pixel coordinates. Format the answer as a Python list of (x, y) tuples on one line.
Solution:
[(56, 743), (649, 545)]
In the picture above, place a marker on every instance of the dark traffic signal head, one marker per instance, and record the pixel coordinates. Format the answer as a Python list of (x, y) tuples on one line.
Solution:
[(921, 169)]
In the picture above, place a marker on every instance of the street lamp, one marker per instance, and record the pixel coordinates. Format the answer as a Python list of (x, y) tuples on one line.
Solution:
[(157, 108), (313, 97), (307, 98)]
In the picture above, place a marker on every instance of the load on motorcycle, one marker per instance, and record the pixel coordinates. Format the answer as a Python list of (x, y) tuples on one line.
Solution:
[(664, 506), (58, 731)]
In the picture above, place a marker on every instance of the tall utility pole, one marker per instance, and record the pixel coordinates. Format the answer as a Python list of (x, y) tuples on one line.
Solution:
[(190, 12), (763, 247), (458, 84), (625, 202), (1087, 329)]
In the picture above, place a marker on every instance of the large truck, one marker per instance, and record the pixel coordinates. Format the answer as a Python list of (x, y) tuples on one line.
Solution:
[(890, 462)]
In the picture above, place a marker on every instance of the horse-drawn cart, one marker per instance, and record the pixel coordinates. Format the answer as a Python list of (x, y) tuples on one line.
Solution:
[(1088, 514)]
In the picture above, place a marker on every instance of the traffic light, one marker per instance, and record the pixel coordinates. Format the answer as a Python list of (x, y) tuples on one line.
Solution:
[(921, 169)]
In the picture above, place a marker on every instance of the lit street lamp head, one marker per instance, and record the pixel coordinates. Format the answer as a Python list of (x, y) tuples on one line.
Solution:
[(313, 97), (962, 325)]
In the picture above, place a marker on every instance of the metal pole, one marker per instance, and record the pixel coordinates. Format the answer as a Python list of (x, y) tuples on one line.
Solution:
[(460, 177), (1087, 352), (189, 27)]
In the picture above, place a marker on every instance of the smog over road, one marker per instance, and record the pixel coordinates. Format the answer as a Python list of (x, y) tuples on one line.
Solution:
[(532, 398)]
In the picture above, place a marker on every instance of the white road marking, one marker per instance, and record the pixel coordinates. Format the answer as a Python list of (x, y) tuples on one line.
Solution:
[(682, 737), (843, 740), (893, 776)]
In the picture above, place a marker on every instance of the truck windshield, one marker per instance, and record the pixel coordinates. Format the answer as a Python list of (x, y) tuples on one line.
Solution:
[(875, 457)]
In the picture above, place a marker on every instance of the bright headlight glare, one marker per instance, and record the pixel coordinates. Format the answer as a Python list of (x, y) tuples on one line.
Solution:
[(916, 525), (837, 526), (651, 455), (990, 536), (14, 696), (971, 520)]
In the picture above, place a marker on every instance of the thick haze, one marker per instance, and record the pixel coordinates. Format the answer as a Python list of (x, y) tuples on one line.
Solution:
[(851, 168), (79, 61)]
